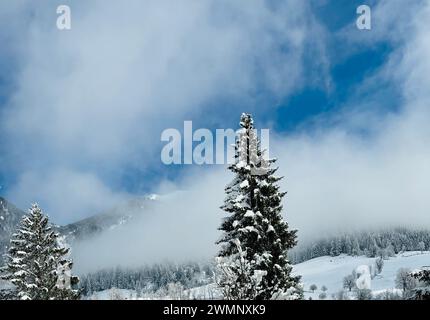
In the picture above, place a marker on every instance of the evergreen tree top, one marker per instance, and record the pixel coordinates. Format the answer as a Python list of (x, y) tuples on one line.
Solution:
[(246, 121)]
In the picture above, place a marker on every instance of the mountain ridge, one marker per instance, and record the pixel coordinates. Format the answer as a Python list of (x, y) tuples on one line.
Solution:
[(10, 217)]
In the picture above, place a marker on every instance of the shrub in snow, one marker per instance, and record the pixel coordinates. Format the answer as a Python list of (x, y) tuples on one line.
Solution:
[(322, 296), (379, 262), (405, 281), (313, 287), (363, 294), (349, 282)]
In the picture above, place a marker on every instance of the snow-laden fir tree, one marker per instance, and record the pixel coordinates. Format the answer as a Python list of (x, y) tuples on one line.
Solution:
[(422, 292), (36, 263), (253, 261)]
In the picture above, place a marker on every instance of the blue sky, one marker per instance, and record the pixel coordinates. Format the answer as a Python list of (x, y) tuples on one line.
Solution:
[(88, 106), (296, 110)]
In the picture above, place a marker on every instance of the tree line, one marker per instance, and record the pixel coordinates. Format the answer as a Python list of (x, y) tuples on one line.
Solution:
[(377, 243), (147, 279)]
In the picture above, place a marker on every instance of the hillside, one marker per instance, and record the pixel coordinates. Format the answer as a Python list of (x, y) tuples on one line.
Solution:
[(108, 220), (323, 271), (398, 246), (10, 216), (329, 271)]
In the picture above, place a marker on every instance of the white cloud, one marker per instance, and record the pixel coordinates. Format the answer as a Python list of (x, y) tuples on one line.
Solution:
[(124, 71), (336, 180), (99, 96), (66, 195), (96, 98), (181, 226)]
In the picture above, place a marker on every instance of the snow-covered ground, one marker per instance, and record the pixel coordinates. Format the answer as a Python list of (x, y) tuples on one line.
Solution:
[(207, 292), (330, 271), (323, 271), (113, 294)]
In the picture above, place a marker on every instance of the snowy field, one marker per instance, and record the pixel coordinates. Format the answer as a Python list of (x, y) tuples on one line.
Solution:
[(330, 271), (323, 271), (207, 292)]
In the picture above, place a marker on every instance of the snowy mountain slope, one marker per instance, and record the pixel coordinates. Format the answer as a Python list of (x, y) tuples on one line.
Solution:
[(111, 219), (10, 216), (330, 271)]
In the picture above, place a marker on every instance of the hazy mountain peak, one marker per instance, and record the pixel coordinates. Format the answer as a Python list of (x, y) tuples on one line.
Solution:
[(10, 217), (110, 219)]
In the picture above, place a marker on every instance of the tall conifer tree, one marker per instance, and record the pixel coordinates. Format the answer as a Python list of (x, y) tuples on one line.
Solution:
[(253, 259), (36, 263)]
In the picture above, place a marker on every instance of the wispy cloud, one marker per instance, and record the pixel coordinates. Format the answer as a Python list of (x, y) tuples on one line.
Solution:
[(337, 179), (97, 97)]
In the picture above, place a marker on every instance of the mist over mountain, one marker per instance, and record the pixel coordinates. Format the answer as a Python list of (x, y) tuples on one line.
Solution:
[(120, 215), (10, 216), (154, 229)]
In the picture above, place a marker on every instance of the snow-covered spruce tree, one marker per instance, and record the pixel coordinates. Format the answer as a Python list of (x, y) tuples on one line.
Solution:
[(36, 263), (253, 261), (422, 292)]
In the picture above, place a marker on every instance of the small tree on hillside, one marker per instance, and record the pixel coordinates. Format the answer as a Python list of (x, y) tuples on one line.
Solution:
[(405, 281), (349, 282), (379, 262), (422, 246)]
